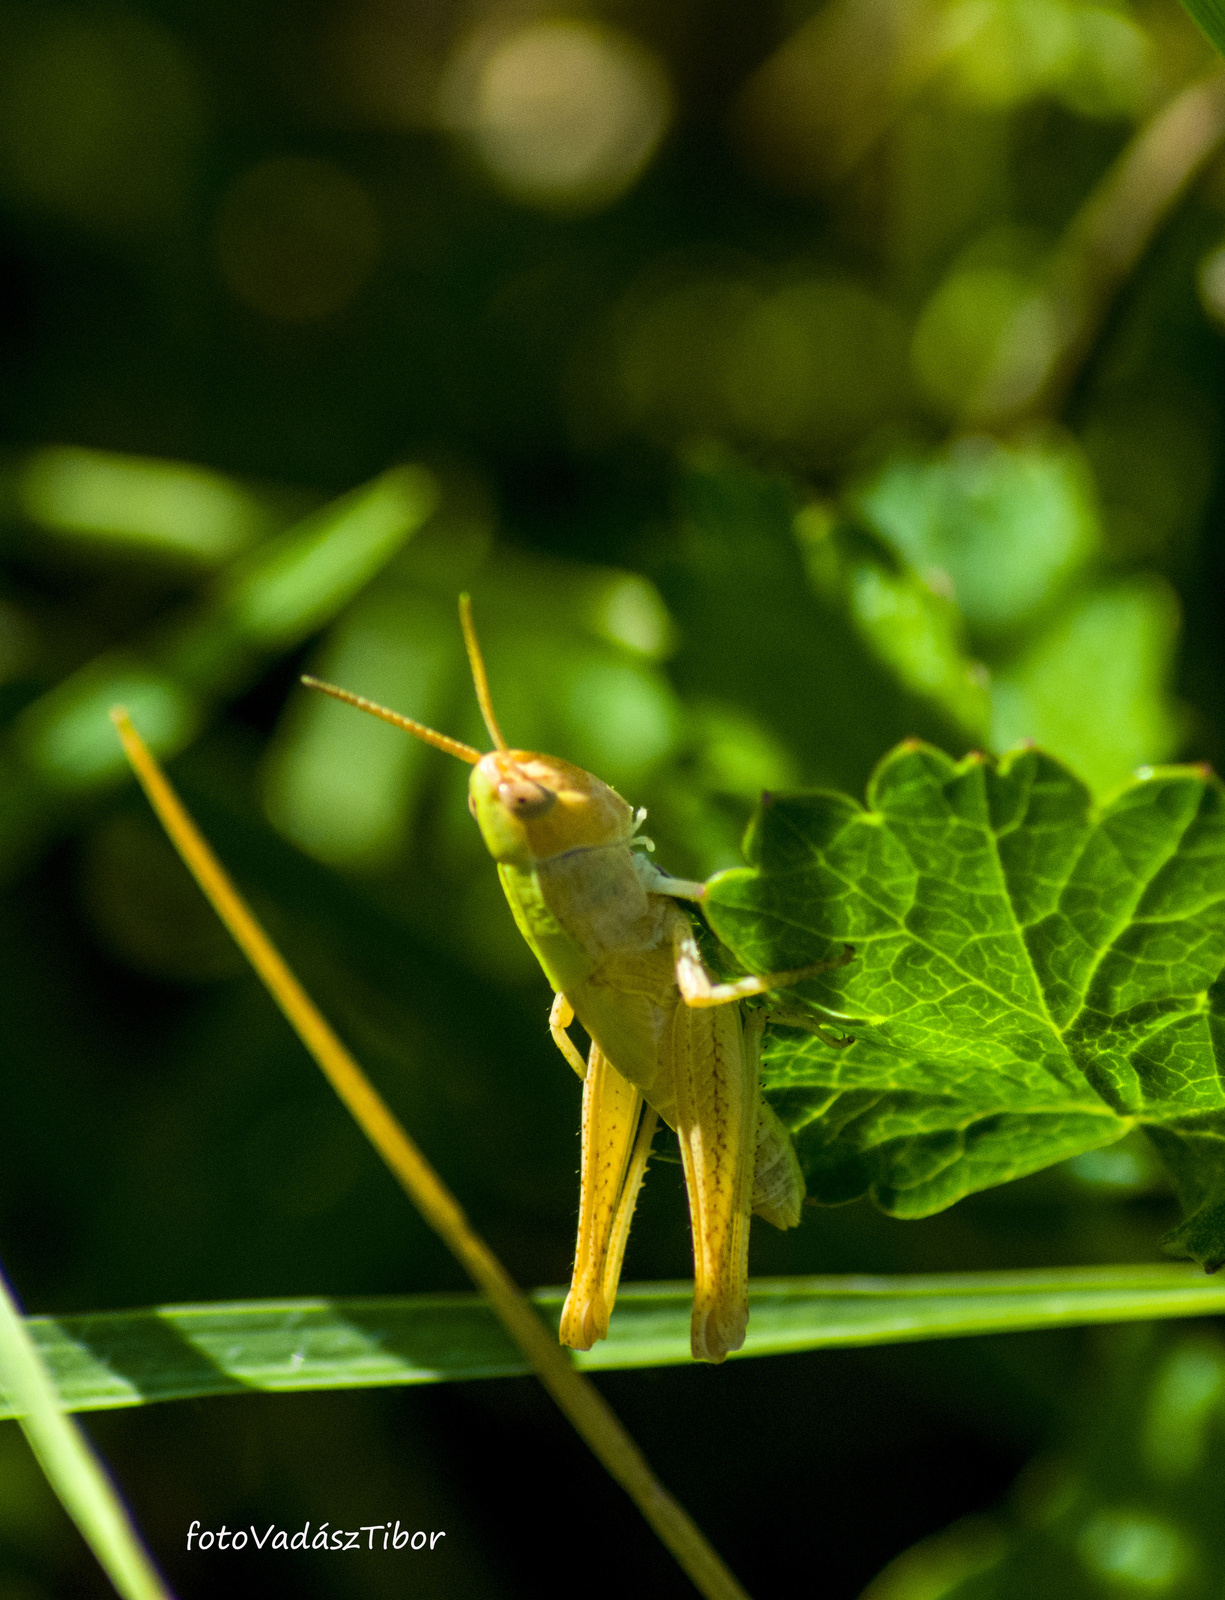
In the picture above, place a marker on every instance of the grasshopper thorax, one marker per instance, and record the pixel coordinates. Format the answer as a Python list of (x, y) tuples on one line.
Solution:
[(531, 807)]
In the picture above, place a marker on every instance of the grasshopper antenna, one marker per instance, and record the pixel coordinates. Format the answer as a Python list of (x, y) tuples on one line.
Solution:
[(481, 682), (440, 741)]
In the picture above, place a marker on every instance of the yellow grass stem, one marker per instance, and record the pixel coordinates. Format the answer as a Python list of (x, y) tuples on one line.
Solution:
[(578, 1398)]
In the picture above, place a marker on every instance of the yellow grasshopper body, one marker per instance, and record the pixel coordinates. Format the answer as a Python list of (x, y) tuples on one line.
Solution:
[(621, 955)]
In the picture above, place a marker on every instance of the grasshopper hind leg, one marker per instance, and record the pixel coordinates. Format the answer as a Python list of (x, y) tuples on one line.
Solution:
[(620, 1231), (717, 1103), (613, 1166)]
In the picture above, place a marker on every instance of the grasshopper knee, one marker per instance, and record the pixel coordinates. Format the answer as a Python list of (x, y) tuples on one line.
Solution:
[(584, 1319), (717, 1329)]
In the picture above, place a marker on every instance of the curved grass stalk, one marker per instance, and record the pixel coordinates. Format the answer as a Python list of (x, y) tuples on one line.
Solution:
[(577, 1397)]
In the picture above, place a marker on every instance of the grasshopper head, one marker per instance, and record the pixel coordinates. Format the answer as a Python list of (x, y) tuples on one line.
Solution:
[(530, 807)]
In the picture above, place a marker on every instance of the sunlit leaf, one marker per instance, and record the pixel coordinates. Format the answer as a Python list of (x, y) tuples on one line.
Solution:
[(339, 784), (264, 602), (302, 579), (1033, 977), (67, 736), (909, 622)]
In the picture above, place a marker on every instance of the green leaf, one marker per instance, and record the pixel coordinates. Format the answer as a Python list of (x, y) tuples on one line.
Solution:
[(908, 626), (1033, 976), (766, 633), (1118, 643), (114, 1359), (1007, 527), (297, 582)]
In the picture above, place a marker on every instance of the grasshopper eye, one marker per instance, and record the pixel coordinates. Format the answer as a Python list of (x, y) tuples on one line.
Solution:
[(523, 798)]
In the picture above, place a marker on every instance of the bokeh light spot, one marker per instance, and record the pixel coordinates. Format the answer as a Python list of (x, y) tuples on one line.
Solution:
[(629, 612), (985, 341), (1211, 278), (817, 364), (1005, 52), (811, 365), (1138, 1551), (561, 113), (622, 720), (1186, 1401)]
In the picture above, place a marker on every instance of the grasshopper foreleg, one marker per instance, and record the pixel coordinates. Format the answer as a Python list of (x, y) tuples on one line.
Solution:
[(698, 988), (678, 888), (561, 1016)]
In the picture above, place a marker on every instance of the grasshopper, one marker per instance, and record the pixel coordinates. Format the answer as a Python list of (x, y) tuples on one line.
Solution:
[(622, 957)]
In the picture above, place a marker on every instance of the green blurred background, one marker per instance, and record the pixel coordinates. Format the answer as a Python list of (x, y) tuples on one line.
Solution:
[(783, 380)]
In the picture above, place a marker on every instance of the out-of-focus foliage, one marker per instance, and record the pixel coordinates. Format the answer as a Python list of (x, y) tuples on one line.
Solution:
[(1127, 1503), (1209, 15), (784, 382)]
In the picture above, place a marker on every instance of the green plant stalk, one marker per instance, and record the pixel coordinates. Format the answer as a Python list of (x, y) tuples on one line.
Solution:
[(71, 1467)]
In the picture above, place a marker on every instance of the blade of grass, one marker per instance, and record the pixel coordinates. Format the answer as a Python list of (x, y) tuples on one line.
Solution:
[(581, 1402), (112, 1359), (70, 1465)]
